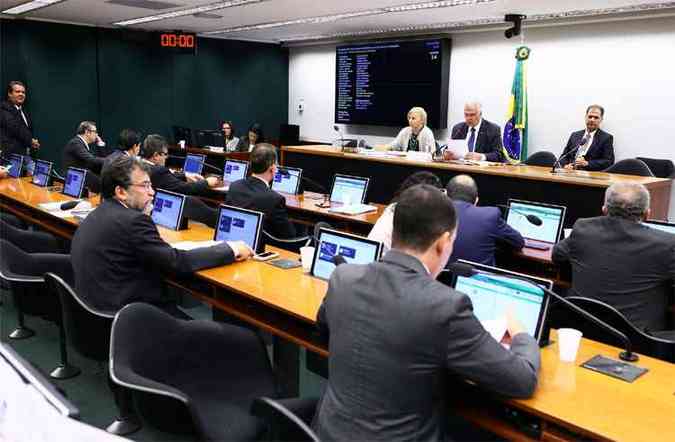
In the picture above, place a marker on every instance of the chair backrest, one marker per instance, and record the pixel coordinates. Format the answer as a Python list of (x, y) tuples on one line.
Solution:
[(660, 168), (642, 342), (16, 265), (630, 166), (282, 424), (292, 244), (87, 329), (29, 241), (543, 158)]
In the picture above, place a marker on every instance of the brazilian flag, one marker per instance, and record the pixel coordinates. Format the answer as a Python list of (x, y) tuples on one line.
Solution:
[(515, 130)]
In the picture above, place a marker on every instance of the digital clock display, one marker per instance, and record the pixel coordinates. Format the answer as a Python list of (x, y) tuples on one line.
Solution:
[(179, 42)]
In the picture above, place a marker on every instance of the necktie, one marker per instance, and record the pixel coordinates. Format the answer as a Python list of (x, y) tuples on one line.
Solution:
[(472, 139), (25, 120)]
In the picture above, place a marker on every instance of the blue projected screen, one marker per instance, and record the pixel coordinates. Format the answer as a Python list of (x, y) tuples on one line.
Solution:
[(238, 225), (286, 180), (74, 182), (492, 295), (41, 172), (551, 217), (662, 226), (349, 190), (15, 165), (234, 170), (194, 163), (167, 209), (354, 249)]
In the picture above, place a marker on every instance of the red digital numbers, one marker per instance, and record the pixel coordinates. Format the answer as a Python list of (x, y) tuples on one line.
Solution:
[(186, 41)]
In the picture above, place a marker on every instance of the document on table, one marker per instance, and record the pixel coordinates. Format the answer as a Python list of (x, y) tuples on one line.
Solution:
[(353, 209), (458, 147), (191, 245)]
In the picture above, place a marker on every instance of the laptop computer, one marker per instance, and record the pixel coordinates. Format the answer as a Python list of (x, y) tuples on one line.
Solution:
[(237, 224), (15, 165), (167, 210), (42, 172), (348, 189), (194, 163), (234, 170), (74, 182), (287, 180), (660, 225), (542, 236), (493, 291), (354, 249)]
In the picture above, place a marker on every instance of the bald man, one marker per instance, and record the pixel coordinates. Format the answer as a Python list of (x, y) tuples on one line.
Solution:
[(484, 139)]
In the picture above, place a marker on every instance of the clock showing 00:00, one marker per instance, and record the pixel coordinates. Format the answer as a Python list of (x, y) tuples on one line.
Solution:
[(178, 41)]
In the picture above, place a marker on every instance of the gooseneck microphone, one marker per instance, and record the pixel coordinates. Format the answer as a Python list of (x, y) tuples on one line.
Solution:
[(532, 219), (342, 138), (467, 270), (581, 144), (69, 204)]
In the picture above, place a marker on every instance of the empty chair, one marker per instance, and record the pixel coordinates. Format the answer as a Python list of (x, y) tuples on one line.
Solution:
[(630, 166), (284, 419), (292, 244), (660, 168), (542, 158), (88, 331), (27, 240), (642, 342), (199, 376)]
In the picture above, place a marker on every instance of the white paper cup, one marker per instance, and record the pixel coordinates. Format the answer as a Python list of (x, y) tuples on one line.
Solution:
[(306, 255), (568, 344), (181, 144)]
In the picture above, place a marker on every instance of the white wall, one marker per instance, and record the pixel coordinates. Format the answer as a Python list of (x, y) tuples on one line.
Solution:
[(627, 66)]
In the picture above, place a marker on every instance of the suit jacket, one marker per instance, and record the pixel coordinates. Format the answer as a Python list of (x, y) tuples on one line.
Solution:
[(395, 333), (252, 193), (624, 264), (76, 154), (15, 136), (599, 156), (112, 157), (118, 257), (163, 178), (478, 232), (488, 139)]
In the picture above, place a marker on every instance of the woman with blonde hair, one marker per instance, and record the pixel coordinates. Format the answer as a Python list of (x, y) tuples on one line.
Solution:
[(417, 136)]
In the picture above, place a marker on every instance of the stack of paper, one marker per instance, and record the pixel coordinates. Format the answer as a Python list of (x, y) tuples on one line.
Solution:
[(191, 245), (353, 209)]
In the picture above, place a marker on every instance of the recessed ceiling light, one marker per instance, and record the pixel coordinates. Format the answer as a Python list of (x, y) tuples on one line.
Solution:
[(191, 11), (30, 6)]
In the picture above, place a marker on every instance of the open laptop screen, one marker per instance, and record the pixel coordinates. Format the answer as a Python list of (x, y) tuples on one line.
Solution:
[(167, 210), (15, 165), (41, 172), (234, 170), (349, 189), (74, 183), (287, 180), (194, 163), (355, 250), (493, 291), (660, 225), (236, 224), (551, 217)]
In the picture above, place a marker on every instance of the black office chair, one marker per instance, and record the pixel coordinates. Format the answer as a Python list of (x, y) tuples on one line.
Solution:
[(630, 166), (190, 376), (642, 342), (660, 168), (12, 219), (543, 158), (29, 241), (292, 244), (284, 423), (88, 331), (198, 210)]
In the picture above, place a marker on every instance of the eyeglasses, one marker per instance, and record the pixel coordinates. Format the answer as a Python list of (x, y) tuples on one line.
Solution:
[(147, 185), (164, 154)]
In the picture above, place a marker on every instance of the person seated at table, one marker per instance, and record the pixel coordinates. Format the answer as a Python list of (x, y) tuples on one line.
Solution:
[(620, 261), (253, 136), (128, 144), (483, 138), (117, 253), (78, 153), (230, 141), (382, 229), (254, 192), (398, 338), (594, 147), (417, 136), (155, 152), (480, 228)]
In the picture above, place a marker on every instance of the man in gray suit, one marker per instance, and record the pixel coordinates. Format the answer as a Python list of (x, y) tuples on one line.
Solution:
[(396, 334)]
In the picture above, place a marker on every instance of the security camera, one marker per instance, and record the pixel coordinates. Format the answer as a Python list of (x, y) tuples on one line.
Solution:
[(517, 20)]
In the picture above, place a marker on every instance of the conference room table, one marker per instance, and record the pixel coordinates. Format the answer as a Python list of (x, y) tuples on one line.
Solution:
[(570, 402), (581, 192)]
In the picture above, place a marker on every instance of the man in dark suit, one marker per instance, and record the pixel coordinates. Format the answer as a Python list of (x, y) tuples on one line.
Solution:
[(128, 144), (480, 228), (484, 139), (398, 336), (118, 256), (255, 193), (595, 146), (77, 153), (620, 261), (16, 128)]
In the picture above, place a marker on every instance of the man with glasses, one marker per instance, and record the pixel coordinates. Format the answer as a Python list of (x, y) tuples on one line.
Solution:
[(78, 153), (117, 254)]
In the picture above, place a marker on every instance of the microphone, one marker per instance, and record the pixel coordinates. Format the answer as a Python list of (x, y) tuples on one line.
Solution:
[(207, 165), (342, 138), (339, 259), (532, 219), (69, 204), (467, 270), (581, 144)]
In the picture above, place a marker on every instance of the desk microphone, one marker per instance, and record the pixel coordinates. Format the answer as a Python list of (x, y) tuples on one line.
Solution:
[(339, 259), (69, 204), (532, 219), (208, 166), (467, 270), (342, 138), (581, 144)]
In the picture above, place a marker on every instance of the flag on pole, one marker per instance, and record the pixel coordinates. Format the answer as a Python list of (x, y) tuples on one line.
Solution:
[(515, 129)]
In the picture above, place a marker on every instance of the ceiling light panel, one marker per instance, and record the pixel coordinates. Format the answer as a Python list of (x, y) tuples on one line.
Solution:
[(189, 11), (30, 6)]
